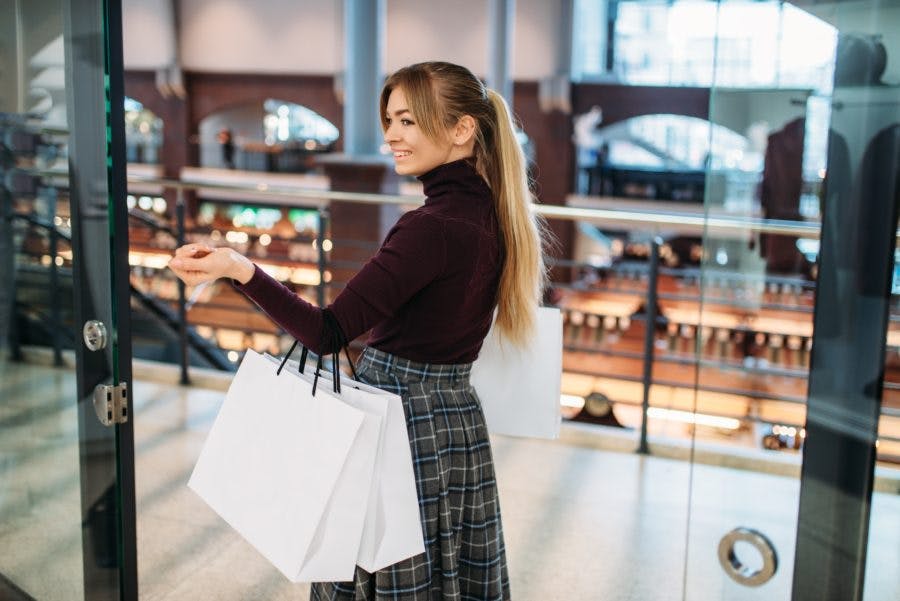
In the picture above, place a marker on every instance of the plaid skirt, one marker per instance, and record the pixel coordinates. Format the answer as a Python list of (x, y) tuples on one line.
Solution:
[(465, 558)]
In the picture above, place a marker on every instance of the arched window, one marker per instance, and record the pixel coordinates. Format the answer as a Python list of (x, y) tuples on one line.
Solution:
[(286, 122), (143, 133), (672, 142), (274, 135)]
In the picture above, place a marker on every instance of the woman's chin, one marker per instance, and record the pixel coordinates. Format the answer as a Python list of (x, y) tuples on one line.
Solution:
[(402, 169)]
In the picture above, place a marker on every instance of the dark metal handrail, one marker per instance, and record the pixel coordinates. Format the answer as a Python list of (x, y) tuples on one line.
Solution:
[(654, 219), (211, 353), (757, 225), (196, 342)]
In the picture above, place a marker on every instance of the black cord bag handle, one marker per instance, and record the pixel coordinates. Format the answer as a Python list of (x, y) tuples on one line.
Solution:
[(333, 330)]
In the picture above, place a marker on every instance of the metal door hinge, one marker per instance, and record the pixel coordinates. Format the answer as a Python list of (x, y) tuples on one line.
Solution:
[(111, 403)]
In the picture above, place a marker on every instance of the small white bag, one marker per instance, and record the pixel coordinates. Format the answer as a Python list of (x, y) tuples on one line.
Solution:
[(393, 526), (393, 529), (519, 387), (290, 471)]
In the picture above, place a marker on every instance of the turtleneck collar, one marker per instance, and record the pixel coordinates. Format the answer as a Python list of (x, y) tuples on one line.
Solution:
[(453, 177)]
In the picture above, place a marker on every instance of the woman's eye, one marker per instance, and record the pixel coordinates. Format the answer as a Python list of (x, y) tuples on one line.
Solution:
[(406, 122)]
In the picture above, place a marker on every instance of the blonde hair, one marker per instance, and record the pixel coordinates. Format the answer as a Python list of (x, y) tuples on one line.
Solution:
[(439, 94)]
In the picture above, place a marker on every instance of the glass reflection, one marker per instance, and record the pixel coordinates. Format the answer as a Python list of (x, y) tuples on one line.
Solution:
[(40, 493), (825, 143)]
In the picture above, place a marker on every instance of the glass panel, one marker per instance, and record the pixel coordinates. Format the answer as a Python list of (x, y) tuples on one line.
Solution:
[(762, 291), (883, 549), (40, 502), (59, 494), (692, 42)]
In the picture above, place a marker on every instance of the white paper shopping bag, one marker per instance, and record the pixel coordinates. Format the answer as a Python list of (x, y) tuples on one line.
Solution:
[(519, 387), (393, 530), (393, 526), (279, 465), (348, 508)]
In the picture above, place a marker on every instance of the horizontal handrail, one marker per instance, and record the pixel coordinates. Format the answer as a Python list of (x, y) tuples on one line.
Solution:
[(276, 191), (658, 218), (661, 219), (769, 226)]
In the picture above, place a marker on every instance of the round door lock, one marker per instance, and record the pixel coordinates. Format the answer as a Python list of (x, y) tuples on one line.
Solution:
[(95, 337), (739, 570)]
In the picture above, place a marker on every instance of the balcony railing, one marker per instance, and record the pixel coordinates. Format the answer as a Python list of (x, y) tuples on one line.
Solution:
[(641, 283)]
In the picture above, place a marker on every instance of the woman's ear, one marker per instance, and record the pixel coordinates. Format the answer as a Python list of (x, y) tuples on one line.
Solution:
[(464, 130)]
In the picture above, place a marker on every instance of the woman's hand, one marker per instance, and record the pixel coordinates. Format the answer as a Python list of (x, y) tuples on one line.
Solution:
[(198, 263)]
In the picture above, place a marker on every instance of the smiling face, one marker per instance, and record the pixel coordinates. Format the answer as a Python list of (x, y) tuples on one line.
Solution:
[(414, 152)]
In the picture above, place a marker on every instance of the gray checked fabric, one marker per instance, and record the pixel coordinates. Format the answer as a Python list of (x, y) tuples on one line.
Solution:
[(465, 558)]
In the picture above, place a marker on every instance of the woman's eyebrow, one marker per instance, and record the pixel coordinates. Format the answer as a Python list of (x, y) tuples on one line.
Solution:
[(399, 112)]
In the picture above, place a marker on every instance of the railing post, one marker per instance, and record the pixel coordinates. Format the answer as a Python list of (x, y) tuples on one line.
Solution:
[(322, 259), (649, 339), (182, 302), (55, 320), (8, 270)]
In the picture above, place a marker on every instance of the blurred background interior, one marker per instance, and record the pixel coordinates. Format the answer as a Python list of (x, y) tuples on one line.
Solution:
[(721, 179)]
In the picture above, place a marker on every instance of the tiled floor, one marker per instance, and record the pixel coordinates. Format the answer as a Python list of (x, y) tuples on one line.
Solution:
[(582, 523)]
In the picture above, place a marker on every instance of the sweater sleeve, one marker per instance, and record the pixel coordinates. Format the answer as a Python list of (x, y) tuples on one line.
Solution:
[(300, 319), (413, 254)]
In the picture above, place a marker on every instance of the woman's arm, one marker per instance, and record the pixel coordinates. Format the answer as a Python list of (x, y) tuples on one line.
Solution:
[(412, 255), (197, 264)]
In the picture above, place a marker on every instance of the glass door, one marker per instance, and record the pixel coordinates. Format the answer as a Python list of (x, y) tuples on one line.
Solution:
[(797, 312), (66, 443)]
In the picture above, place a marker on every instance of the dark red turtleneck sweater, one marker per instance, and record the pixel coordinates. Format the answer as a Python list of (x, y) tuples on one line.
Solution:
[(428, 294)]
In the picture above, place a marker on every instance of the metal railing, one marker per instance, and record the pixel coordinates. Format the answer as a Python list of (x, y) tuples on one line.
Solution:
[(56, 328), (656, 221)]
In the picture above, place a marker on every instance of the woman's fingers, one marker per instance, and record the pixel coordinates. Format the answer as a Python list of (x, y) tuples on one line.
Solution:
[(186, 263), (199, 263), (176, 264), (209, 267), (191, 278), (193, 250), (189, 270)]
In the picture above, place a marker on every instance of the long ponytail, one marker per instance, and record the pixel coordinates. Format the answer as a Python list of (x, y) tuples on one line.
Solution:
[(439, 95), (523, 276)]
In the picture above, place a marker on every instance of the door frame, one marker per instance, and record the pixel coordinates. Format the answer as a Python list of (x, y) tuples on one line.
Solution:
[(95, 89)]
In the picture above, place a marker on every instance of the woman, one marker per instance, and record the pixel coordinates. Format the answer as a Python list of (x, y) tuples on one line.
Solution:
[(429, 294)]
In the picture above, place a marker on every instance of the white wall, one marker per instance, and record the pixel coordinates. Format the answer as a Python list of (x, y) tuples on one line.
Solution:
[(262, 36), (537, 42), (433, 30), (147, 34), (306, 36), (459, 32)]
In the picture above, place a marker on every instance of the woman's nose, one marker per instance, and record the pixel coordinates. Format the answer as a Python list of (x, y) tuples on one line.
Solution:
[(390, 133)]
